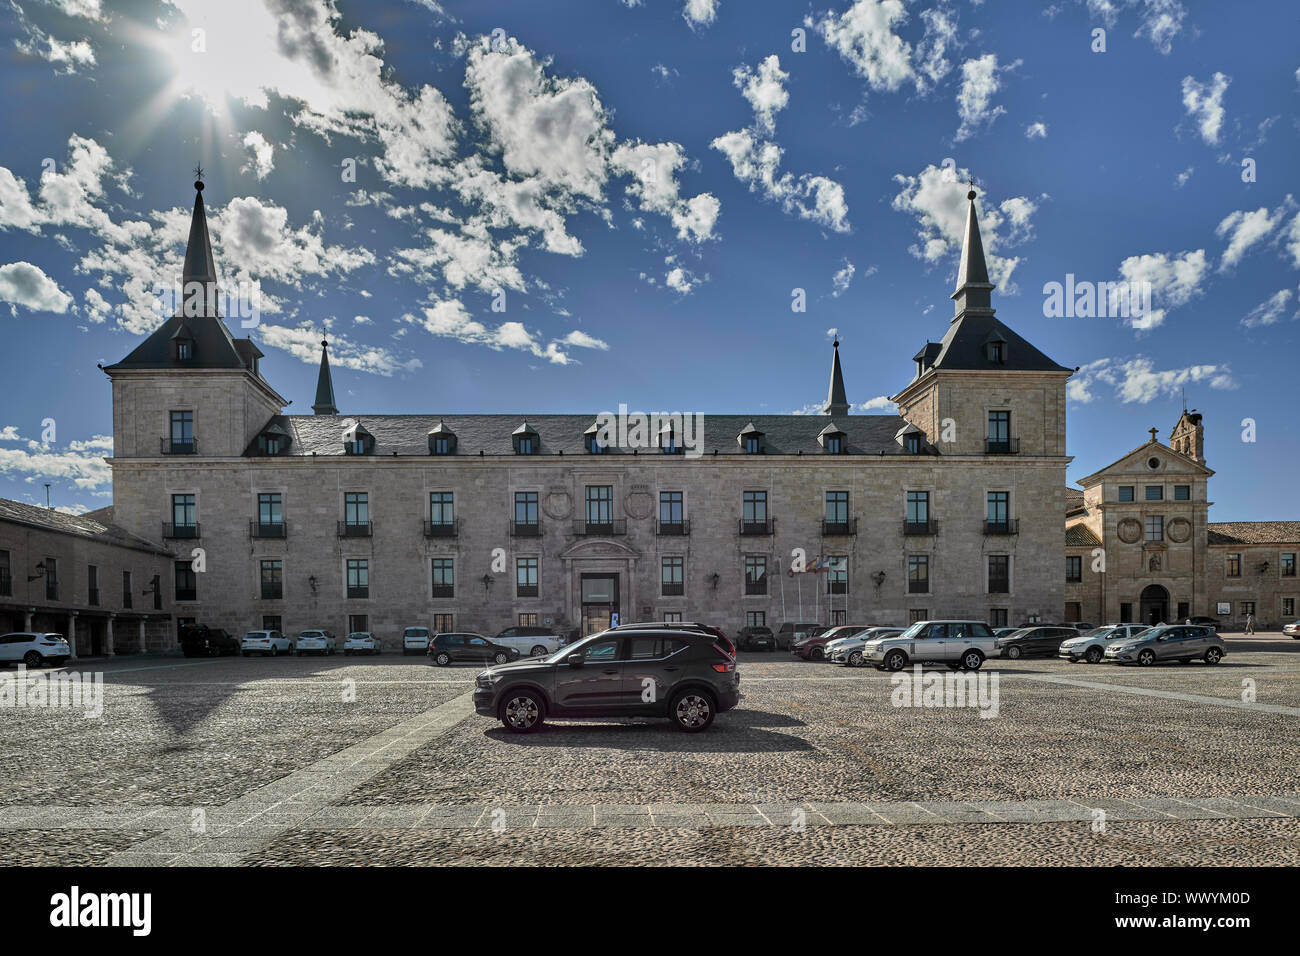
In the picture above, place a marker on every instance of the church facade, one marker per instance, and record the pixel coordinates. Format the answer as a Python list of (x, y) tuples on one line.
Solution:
[(355, 521)]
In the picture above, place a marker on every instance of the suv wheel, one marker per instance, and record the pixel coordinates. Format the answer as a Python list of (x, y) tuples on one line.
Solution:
[(1094, 655), (895, 661), (274, 651), (692, 710), (442, 658), (33, 659), (1213, 656), (1147, 657), (521, 713), (501, 657), (971, 660), (538, 651), (816, 654), (1013, 653), (855, 659)]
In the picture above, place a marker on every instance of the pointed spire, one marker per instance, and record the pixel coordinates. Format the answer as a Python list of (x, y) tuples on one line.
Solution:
[(324, 404), (199, 265), (836, 401), (973, 286)]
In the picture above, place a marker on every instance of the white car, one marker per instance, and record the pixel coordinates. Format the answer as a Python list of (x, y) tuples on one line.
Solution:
[(848, 650), (530, 641), (1091, 646), (33, 649), (315, 641), (362, 642), (415, 640), (1292, 630), (270, 643)]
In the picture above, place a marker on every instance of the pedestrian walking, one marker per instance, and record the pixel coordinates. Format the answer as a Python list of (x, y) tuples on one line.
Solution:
[(1250, 624)]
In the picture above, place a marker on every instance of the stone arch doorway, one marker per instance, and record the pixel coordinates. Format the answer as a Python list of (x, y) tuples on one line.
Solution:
[(1154, 604)]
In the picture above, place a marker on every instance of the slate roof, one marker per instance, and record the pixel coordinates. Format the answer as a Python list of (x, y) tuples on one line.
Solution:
[(1254, 532), (492, 434), (81, 526), (962, 347), (1081, 536)]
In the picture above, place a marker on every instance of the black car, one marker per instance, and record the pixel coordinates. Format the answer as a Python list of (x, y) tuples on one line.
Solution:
[(1211, 622), (446, 649), (681, 675), (722, 640), (757, 638), (199, 640), (1035, 641)]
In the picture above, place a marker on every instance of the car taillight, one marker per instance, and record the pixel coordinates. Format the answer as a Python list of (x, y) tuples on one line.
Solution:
[(723, 668)]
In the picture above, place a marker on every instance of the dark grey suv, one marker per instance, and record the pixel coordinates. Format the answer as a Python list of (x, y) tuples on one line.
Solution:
[(682, 675)]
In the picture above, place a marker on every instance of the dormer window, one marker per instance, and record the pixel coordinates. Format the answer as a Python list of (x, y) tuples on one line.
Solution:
[(911, 438), (669, 443), (526, 441), (591, 440), (751, 440), (273, 440), (832, 439), (997, 352), (912, 444), (184, 350), (358, 441), (442, 440)]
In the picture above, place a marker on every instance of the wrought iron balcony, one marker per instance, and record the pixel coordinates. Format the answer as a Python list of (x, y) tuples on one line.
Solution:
[(525, 529), (525, 590), (913, 529), (682, 527), (181, 530), (442, 529), (674, 589), (180, 446), (590, 528), (756, 587), (1009, 526), (1002, 446), (839, 529), (356, 529), (362, 591), (762, 527), (274, 530), (272, 592)]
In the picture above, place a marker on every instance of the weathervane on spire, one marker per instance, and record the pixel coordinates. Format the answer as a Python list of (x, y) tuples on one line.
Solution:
[(971, 183), (198, 172)]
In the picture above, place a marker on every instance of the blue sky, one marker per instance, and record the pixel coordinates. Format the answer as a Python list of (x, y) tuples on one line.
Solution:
[(641, 188)]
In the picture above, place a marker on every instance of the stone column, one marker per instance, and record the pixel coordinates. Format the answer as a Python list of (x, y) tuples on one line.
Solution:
[(142, 644), (27, 619), (108, 636), (72, 632)]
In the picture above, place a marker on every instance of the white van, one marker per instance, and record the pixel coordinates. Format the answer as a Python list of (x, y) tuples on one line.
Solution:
[(415, 640)]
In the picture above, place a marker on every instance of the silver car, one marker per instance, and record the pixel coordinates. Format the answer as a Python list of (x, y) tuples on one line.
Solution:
[(848, 650), (1168, 642), (961, 645), (1091, 647)]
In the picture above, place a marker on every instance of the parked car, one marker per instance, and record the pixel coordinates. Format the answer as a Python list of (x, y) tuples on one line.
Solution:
[(33, 648), (530, 641), (960, 644), (1203, 621), (1092, 646), (1081, 626), (1033, 642), (448, 648), (682, 675), (315, 641), (1004, 631), (756, 638), (199, 640), (1292, 630), (362, 642), (415, 640), (1168, 642), (722, 640), (795, 631), (848, 650), (269, 643), (813, 648)]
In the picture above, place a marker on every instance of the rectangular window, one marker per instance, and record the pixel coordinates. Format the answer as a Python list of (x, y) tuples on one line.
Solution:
[(834, 444), (671, 507), (525, 444), (526, 509), (52, 579), (1288, 607), (442, 445), (441, 509), (999, 574), (1073, 611), (1125, 492), (839, 617), (184, 514), (1155, 528), (1073, 568), (272, 578), (755, 619), (187, 585), (1247, 607), (837, 507), (999, 507), (526, 577), (269, 509), (918, 507), (356, 509), (997, 617), (1182, 492), (358, 623), (1000, 427), (1126, 613), (358, 570), (528, 619), (917, 614), (1288, 565), (444, 577), (92, 585), (126, 590), (600, 506), (7, 575), (755, 574), (837, 578), (672, 576), (672, 617), (1232, 568), (182, 433), (754, 505), (442, 623), (1155, 492), (271, 622), (918, 574)]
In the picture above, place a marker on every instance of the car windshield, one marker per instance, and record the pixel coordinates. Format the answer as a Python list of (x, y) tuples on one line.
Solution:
[(417, 632), (570, 648), (311, 634), (255, 634), (359, 636), (1099, 631), (1020, 633), (915, 629)]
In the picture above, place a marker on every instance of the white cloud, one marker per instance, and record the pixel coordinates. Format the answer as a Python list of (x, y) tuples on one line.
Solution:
[(679, 280), (1137, 379), (97, 307), (1245, 229), (940, 34), (764, 88), (842, 278), (652, 169), (700, 13), (303, 343), (263, 158), (1162, 20), (85, 9), (1292, 237), (979, 83), (582, 340), (1269, 311), (22, 283), (82, 463), (1036, 131), (1181, 179), (450, 319), (936, 197), (1204, 105), (879, 403), (864, 37), (1174, 279)]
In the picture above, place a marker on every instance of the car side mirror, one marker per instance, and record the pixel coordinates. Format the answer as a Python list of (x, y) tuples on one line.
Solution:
[(575, 660)]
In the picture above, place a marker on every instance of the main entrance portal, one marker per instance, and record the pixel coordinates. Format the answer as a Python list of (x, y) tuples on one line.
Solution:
[(1155, 605), (599, 602)]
